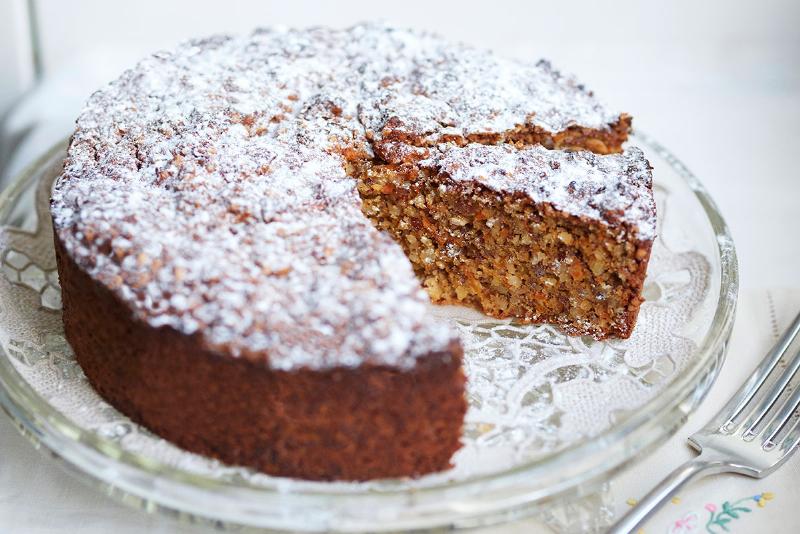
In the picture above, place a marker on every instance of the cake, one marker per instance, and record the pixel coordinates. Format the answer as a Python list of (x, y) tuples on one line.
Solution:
[(249, 232)]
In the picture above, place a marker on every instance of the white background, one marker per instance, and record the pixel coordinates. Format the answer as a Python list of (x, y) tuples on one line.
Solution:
[(717, 82)]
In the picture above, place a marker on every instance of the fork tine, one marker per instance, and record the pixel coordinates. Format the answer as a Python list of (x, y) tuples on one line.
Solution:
[(772, 396), (762, 372), (792, 439), (782, 417)]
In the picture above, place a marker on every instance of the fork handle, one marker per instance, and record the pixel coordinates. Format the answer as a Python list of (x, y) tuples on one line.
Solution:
[(695, 468)]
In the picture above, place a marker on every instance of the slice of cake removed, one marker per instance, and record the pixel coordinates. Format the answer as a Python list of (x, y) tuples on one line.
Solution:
[(540, 235)]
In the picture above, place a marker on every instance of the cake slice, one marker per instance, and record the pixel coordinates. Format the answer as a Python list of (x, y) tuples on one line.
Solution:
[(538, 235)]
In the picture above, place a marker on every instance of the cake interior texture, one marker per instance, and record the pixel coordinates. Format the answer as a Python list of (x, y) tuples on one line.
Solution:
[(506, 255), (507, 248)]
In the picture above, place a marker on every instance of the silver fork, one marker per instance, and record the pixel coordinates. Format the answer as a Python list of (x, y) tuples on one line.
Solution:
[(749, 436)]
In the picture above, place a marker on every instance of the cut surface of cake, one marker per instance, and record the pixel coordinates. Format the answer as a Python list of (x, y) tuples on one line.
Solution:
[(249, 232), (530, 233)]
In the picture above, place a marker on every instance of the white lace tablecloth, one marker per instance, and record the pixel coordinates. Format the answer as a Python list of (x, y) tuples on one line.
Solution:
[(37, 496)]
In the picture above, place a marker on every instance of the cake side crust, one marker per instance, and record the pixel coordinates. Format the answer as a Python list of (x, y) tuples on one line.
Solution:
[(356, 423)]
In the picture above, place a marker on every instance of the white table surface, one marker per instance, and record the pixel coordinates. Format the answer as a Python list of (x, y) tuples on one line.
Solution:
[(727, 104)]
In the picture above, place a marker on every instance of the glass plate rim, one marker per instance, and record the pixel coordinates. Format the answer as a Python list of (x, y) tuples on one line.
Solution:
[(29, 409)]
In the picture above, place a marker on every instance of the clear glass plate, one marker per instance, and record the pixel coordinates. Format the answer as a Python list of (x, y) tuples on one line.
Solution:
[(551, 417)]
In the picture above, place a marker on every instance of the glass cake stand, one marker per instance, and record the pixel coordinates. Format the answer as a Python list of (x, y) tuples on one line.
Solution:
[(551, 417)]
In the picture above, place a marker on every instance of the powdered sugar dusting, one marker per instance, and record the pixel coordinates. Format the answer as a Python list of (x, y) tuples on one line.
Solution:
[(207, 187), (615, 188)]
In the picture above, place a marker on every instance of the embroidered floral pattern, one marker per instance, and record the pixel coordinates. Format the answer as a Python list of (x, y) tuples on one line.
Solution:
[(719, 515), (719, 518), (687, 523)]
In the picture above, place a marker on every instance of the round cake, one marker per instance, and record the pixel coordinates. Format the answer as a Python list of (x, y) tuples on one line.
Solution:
[(249, 231)]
